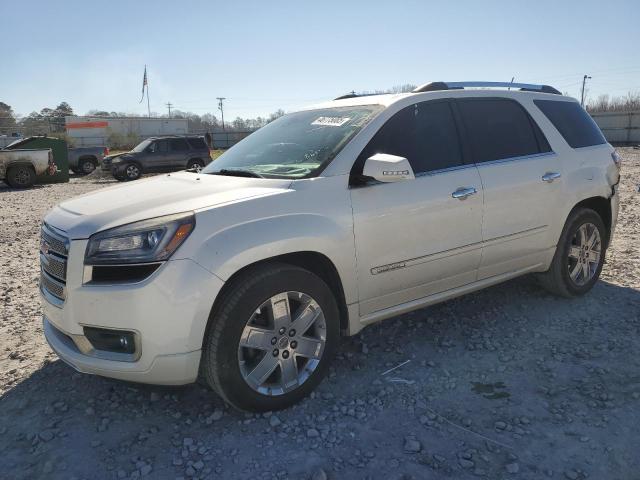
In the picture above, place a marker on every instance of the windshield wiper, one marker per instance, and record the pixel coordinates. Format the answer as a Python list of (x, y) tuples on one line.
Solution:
[(237, 173)]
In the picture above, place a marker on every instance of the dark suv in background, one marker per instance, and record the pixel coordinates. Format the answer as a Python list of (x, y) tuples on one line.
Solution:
[(159, 154)]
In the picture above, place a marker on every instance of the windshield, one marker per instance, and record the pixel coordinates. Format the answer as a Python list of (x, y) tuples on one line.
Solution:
[(141, 146), (297, 145)]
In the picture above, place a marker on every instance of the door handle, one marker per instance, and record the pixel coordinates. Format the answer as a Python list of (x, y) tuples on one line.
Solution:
[(550, 176), (464, 192)]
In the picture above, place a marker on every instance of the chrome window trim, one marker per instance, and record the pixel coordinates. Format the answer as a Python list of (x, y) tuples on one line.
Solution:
[(516, 159), (431, 173)]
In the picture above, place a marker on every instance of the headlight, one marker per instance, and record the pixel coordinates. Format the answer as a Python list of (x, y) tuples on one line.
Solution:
[(115, 160), (151, 240)]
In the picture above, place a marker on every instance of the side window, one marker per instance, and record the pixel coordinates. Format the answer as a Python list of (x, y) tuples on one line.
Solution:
[(178, 145), (159, 146), (500, 128), (573, 123), (197, 143), (424, 133)]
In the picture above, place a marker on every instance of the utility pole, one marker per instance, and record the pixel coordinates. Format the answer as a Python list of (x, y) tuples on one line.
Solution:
[(221, 108), (584, 80), (169, 105)]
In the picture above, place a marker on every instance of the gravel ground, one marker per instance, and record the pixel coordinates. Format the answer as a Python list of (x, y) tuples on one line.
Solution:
[(505, 383)]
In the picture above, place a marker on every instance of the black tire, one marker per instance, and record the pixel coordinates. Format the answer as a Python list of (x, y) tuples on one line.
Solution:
[(193, 162), (220, 366), (86, 166), (131, 171), (21, 176), (557, 279)]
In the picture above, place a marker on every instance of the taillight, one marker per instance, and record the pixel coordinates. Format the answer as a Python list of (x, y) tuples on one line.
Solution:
[(617, 159)]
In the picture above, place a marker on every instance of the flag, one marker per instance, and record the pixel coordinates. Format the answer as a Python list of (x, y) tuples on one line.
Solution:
[(144, 83)]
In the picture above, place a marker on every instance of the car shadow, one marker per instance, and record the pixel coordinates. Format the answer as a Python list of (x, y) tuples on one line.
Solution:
[(498, 346)]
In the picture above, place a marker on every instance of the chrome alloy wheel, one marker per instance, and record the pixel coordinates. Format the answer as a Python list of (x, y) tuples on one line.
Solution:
[(132, 171), (282, 343), (584, 254)]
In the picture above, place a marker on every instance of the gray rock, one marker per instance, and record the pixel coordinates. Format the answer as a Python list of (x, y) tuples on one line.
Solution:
[(46, 435), (571, 474), (411, 445), (274, 421), (464, 463), (319, 474), (146, 470), (513, 467), (313, 433)]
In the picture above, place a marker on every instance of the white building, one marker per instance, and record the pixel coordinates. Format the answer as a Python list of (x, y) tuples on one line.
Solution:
[(111, 131)]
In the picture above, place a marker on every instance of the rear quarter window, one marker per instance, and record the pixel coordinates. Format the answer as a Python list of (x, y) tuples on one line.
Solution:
[(574, 124), (197, 143)]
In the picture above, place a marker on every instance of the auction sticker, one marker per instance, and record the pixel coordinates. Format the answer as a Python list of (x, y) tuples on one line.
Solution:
[(331, 121)]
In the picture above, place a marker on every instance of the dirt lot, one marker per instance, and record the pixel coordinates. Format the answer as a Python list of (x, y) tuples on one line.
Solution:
[(505, 383)]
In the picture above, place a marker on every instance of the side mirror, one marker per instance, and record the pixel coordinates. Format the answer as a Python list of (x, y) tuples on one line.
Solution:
[(388, 168)]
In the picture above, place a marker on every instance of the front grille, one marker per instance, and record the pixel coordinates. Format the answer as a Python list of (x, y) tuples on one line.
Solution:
[(54, 251)]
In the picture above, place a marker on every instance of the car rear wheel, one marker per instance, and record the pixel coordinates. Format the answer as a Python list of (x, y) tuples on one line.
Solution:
[(195, 163), (21, 176), (271, 338), (579, 256)]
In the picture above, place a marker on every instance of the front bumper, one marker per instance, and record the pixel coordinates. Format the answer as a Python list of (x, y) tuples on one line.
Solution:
[(177, 369), (168, 311)]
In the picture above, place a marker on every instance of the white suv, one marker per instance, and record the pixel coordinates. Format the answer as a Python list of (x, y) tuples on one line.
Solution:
[(323, 222)]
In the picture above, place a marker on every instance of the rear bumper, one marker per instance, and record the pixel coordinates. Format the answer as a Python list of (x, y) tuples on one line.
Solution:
[(615, 208)]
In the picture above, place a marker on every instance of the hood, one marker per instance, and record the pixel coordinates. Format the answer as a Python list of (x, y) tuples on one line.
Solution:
[(82, 216), (117, 155)]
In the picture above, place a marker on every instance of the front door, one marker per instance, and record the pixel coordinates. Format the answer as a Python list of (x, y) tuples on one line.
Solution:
[(419, 237), (522, 181), (156, 156)]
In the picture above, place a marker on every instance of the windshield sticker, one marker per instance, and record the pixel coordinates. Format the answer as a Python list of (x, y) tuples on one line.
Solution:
[(331, 121)]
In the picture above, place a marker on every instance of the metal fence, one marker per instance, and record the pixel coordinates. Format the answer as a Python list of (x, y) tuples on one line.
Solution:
[(620, 128)]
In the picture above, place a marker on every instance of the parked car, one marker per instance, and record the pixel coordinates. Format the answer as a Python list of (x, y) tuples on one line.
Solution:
[(84, 160), (325, 221), (159, 154), (19, 168)]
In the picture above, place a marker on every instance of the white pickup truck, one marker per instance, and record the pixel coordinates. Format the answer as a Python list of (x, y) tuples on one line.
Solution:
[(19, 168)]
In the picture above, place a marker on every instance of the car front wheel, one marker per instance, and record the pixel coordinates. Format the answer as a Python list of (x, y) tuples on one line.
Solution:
[(579, 256), (271, 338), (132, 171)]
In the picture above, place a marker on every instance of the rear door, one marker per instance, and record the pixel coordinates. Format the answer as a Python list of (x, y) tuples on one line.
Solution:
[(413, 238), (522, 182), (178, 153)]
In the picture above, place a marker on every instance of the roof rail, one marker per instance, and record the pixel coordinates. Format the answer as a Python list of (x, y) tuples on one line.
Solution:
[(527, 87), (356, 95)]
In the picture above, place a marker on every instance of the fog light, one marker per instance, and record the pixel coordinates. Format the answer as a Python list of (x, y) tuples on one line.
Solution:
[(115, 341)]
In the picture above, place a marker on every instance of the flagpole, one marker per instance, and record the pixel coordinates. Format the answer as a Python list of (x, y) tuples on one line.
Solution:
[(148, 107)]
